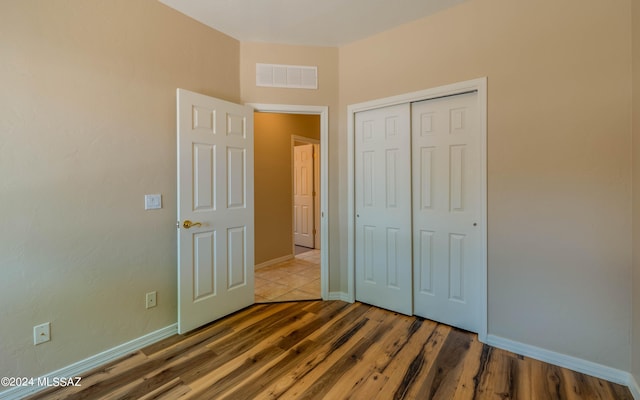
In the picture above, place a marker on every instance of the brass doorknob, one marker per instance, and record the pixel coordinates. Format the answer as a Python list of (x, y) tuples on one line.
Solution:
[(188, 224)]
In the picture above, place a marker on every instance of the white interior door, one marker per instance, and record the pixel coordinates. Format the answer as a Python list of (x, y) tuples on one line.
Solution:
[(447, 210), (303, 188), (383, 208), (215, 193)]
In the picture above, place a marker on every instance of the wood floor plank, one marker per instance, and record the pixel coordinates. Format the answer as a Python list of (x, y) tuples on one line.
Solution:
[(372, 385), (411, 361), (332, 375), (315, 365), (95, 376), (207, 333), (197, 360), (620, 392), (332, 350), (365, 380), (232, 372), (316, 342), (466, 387), (161, 367), (445, 370), (580, 386), (170, 390), (252, 341), (375, 357), (523, 383), (502, 377), (546, 382), (234, 320), (122, 373)]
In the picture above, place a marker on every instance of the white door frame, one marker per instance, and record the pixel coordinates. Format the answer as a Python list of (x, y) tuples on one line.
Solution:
[(323, 112), (479, 85), (316, 185)]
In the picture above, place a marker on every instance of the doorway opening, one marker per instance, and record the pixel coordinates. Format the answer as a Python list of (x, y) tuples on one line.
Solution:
[(290, 203)]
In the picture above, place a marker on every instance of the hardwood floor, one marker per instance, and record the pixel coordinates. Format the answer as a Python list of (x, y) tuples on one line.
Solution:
[(331, 350)]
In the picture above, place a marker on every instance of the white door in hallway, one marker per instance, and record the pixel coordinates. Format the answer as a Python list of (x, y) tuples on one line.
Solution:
[(215, 209), (383, 208), (303, 225), (446, 157)]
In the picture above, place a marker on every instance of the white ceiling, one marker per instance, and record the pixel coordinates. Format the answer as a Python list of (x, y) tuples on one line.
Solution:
[(306, 22)]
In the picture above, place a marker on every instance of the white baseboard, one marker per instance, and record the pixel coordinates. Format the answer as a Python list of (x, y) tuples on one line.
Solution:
[(94, 361), (562, 360), (274, 261), (633, 387), (339, 296)]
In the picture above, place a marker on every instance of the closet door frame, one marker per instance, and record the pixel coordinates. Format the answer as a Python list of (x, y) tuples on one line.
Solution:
[(478, 85)]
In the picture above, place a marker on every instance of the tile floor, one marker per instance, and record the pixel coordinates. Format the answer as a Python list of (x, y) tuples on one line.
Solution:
[(295, 279)]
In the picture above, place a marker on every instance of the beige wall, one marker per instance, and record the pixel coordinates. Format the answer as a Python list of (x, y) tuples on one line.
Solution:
[(636, 190), (273, 184), (326, 59), (87, 127), (559, 182)]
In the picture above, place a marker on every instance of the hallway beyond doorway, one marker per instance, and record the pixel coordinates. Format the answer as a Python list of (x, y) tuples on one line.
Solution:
[(302, 249), (295, 279)]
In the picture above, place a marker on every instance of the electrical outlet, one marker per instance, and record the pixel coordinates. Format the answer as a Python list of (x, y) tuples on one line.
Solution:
[(41, 333), (151, 300)]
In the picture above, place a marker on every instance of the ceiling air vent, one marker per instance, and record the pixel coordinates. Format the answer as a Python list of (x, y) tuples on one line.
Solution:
[(287, 76)]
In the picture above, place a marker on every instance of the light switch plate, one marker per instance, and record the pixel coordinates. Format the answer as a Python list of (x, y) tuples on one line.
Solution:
[(152, 201)]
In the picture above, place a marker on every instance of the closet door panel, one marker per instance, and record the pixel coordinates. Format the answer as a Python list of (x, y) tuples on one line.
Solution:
[(446, 209), (383, 208)]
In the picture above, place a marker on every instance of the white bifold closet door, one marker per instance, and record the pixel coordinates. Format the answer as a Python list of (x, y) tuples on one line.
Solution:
[(446, 210), (383, 208), (418, 209)]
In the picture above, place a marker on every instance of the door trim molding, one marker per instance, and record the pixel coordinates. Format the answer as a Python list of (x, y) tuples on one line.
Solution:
[(323, 112), (479, 85)]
